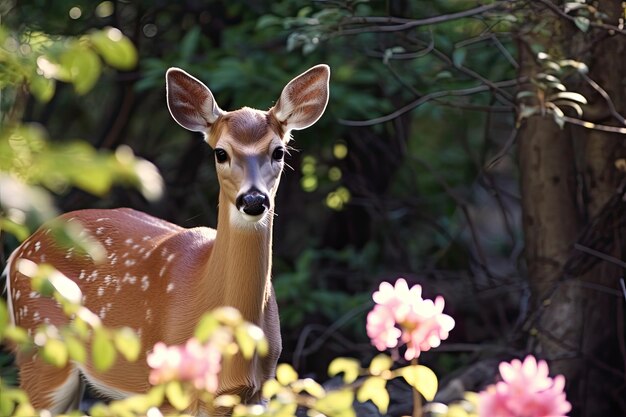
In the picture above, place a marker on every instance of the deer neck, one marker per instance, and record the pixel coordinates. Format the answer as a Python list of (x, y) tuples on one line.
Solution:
[(241, 261)]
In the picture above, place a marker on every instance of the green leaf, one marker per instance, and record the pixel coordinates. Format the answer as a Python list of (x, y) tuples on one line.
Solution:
[(189, 43), (17, 335), (558, 115), (572, 5), (55, 352), (115, 48), (309, 385), (228, 401), (524, 94), (569, 95), (205, 328), (42, 88), (99, 410), (582, 22), (527, 111), (575, 106), (350, 368), (457, 410), (250, 338), (421, 378), (177, 396), (4, 317), (271, 387), (6, 402), (245, 342), (337, 404), (458, 56), (580, 66), (103, 352), (25, 410), (278, 408), (20, 231), (374, 389), (268, 20), (380, 363), (83, 66), (229, 316), (76, 349), (285, 374), (128, 343)]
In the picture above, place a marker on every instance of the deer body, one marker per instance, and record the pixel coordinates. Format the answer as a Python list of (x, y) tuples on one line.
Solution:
[(159, 278)]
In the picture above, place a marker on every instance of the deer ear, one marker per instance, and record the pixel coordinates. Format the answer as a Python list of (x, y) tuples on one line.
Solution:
[(190, 102), (304, 99)]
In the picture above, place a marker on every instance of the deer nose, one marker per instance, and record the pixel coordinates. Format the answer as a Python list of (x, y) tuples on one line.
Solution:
[(253, 202)]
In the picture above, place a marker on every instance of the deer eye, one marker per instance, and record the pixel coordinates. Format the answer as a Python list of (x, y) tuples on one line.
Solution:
[(278, 154), (220, 155)]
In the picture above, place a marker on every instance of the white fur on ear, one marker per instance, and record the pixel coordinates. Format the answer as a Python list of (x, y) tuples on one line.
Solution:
[(303, 101), (190, 102)]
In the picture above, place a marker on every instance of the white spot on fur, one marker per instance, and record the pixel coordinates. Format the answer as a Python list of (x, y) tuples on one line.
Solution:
[(145, 283), (17, 294), (100, 291), (146, 238), (100, 231), (108, 241), (171, 257), (129, 262), (170, 287), (129, 241), (69, 253), (33, 294), (162, 271), (93, 276), (131, 279), (37, 246)]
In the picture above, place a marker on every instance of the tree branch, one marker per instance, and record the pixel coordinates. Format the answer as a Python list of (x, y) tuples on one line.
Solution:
[(557, 10), (405, 24), (428, 97)]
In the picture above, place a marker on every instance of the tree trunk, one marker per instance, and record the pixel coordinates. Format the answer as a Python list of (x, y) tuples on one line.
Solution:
[(578, 320)]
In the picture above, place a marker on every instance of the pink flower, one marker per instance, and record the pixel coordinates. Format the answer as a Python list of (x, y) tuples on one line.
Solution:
[(400, 313), (192, 362), (526, 390)]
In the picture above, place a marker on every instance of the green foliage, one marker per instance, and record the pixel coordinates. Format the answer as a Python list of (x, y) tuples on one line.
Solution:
[(300, 294), (38, 59), (29, 160)]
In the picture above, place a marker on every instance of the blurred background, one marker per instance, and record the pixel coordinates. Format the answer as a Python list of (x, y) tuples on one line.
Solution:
[(451, 154)]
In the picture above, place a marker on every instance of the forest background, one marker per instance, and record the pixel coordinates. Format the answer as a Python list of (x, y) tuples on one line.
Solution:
[(474, 148)]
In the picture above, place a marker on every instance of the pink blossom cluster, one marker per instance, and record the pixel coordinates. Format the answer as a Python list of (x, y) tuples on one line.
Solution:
[(192, 362), (526, 390), (401, 314)]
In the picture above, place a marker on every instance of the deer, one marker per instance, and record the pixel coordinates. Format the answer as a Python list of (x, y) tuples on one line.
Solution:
[(159, 278)]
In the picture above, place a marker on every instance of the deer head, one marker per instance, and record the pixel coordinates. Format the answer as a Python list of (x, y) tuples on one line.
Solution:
[(249, 145)]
